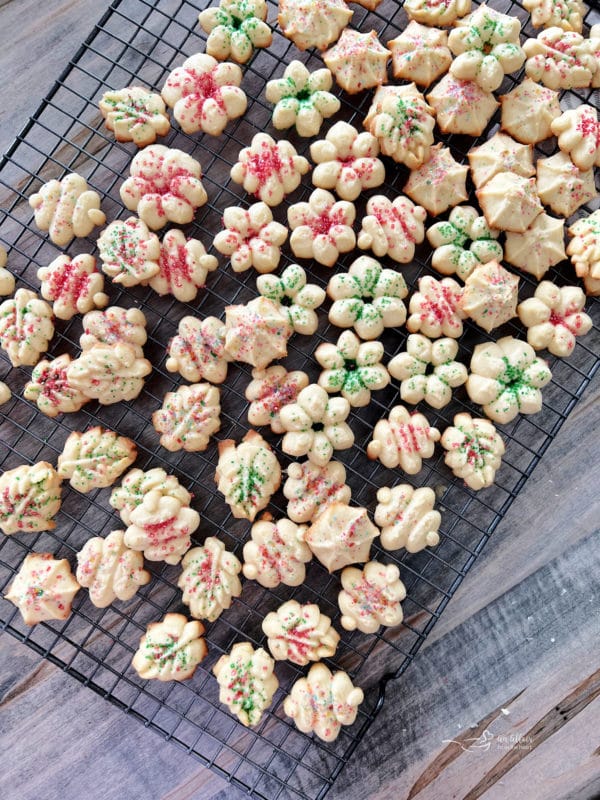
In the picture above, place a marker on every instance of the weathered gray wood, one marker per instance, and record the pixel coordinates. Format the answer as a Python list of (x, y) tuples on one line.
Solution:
[(521, 635)]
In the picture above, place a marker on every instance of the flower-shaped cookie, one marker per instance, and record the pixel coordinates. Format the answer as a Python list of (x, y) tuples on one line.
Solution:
[(486, 47), (246, 682), (371, 597), (161, 527), (50, 389), (302, 98), (506, 378), (538, 248), (402, 123), (566, 14), (347, 161), (256, 333), (358, 61), (315, 425), (437, 12), (135, 115), (72, 286), (188, 417), (439, 183), (129, 252), (461, 106), (7, 279), (411, 368), (276, 553), (183, 267), (490, 295), (248, 474), (436, 310), (268, 169), (235, 28), (420, 54), (209, 580), (392, 227), (322, 227), (110, 570), (26, 327), (562, 186), (322, 702), (30, 497), (407, 518), (560, 59), (300, 633), (251, 238), (474, 450), (171, 649), (271, 389), (296, 298), (449, 238), (578, 132), (66, 209), (95, 459), (528, 111), (584, 250), (352, 368), (109, 373), (198, 350), (403, 440), (310, 489), (368, 298), (500, 154), (136, 485), (165, 186), (341, 535), (43, 588), (510, 202), (313, 23), (112, 326), (553, 317), (205, 94)]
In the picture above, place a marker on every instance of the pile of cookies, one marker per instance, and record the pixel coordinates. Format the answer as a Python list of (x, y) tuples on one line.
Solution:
[(462, 55)]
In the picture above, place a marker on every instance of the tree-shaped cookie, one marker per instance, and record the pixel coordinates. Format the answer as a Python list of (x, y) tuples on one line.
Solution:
[(137, 484), (95, 459), (26, 327), (407, 517), (300, 633), (371, 597), (403, 440), (247, 474), (171, 649), (73, 286), (43, 588), (188, 417), (209, 580), (110, 570), (161, 527), (198, 350), (30, 497), (51, 390), (66, 209), (246, 682), (276, 553)]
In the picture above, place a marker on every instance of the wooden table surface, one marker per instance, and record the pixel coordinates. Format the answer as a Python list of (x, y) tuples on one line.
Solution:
[(516, 653)]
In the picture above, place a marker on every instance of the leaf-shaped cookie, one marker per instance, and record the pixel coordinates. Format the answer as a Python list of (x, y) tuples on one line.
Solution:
[(95, 459)]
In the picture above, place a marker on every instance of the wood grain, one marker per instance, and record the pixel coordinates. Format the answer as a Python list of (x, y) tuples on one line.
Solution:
[(515, 654)]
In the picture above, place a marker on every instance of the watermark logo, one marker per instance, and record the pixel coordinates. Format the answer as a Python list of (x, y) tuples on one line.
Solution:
[(486, 740)]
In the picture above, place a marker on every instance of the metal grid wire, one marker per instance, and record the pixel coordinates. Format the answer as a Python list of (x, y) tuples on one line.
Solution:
[(139, 41)]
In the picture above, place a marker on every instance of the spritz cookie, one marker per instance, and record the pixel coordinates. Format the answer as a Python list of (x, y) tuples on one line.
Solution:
[(358, 61), (95, 459), (165, 186), (420, 54), (352, 368), (188, 417), (135, 115), (313, 23), (276, 553), (560, 59), (407, 518), (73, 286), (500, 154), (578, 132), (197, 352), (171, 649), (235, 28), (30, 498), (114, 325), (129, 253), (247, 682), (509, 202), (43, 588), (436, 308), (462, 242), (297, 299), (341, 535), (371, 597), (300, 633), (538, 248), (26, 327), (205, 94), (565, 14), (183, 267), (251, 238), (161, 527), (322, 227), (247, 475), (269, 390), (528, 111), (268, 169), (136, 485), (403, 440), (554, 317), (49, 388), (437, 12), (439, 183), (109, 373), (563, 186), (67, 209), (584, 250), (474, 450), (461, 106), (110, 570), (392, 227), (310, 489), (490, 295), (209, 580), (256, 333), (302, 99)]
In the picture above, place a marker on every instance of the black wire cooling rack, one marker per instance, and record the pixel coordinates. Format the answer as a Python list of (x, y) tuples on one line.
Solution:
[(138, 41)]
